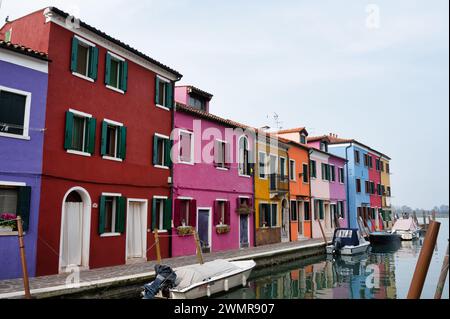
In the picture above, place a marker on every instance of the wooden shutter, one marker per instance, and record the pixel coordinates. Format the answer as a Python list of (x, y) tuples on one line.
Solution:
[(92, 125), (217, 153), (69, 131), (167, 222), (228, 155), (157, 90), (93, 63), (177, 214), (23, 206), (120, 214), (155, 150), (74, 57), (107, 68), (101, 216), (122, 142), (124, 78), (154, 214), (193, 213), (217, 213), (103, 140), (169, 95), (227, 217), (168, 153)]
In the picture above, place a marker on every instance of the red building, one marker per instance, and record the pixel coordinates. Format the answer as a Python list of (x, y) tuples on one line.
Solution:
[(106, 174), (376, 193)]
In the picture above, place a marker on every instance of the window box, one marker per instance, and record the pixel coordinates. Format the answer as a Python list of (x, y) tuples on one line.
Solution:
[(185, 230), (223, 229)]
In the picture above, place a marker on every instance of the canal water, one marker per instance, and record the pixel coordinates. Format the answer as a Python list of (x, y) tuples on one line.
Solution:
[(380, 274)]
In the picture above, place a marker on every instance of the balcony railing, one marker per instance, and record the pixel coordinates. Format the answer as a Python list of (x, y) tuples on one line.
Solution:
[(279, 183)]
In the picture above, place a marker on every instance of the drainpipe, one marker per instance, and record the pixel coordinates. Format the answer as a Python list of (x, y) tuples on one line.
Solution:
[(255, 149), (311, 204), (348, 184)]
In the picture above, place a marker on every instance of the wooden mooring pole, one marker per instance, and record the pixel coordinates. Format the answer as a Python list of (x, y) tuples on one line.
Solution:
[(420, 274), (442, 277), (158, 247), (26, 283), (199, 249), (323, 232)]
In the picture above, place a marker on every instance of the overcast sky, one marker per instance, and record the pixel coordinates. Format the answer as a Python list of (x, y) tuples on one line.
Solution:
[(314, 63)]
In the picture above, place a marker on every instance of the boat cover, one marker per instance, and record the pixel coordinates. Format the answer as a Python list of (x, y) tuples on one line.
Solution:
[(347, 236), (405, 225), (190, 275)]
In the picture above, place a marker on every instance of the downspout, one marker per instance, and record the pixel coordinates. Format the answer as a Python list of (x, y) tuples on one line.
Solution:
[(311, 204), (254, 187), (348, 184)]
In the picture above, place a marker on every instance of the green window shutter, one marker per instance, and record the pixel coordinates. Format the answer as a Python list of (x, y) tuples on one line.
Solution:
[(69, 131), (154, 214), (92, 125), (157, 90), (120, 215), (74, 57), (124, 77), (167, 153), (107, 68), (23, 206), (321, 212), (155, 150), (93, 63), (169, 95), (101, 215), (167, 222), (122, 142), (103, 141)]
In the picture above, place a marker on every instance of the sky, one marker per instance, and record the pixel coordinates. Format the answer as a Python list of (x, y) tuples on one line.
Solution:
[(375, 71)]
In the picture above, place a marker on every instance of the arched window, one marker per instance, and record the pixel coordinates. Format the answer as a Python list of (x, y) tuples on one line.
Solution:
[(244, 156)]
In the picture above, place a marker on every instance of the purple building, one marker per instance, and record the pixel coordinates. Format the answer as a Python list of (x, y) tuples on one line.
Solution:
[(23, 92)]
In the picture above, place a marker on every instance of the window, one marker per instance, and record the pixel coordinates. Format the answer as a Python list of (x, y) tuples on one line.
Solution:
[(324, 146), (319, 210), (14, 201), (332, 173), (185, 213), (112, 214), (80, 133), (303, 139), (292, 170), (372, 188), (366, 160), (389, 194), (14, 112), (326, 172), (305, 174), (162, 151), (367, 184), (382, 166), (357, 157), (164, 93), (8, 35), (306, 211), (268, 215), (379, 190), (197, 103), (283, 168), (358, 185), (161, 214), (274, 213), (341, 209), (378, 165), (341, 175), (388, 168), (370, 159), (294, 213), (244, 157), (114, 137), (313, 165), (262, 165), (116, 77), (186, 151), (221, 154), (222, 212), (84, 61)]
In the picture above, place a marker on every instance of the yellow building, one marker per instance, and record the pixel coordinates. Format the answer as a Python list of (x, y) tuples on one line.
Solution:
[(386, 190), (271, 190)]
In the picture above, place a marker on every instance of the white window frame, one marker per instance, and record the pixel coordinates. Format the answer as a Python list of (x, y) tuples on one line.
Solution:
[(223, 212), (11, 184), (332, 168), (265, 166), (224, 156), (113, 233), (117, 125), (341, 169), (191, 162), (285, 166), (308, 173), (86, 116), (239, 162), (120, 60), (293, 172), (88, 44), (161, 214), (26, 121), (167, 138), (166, 81)]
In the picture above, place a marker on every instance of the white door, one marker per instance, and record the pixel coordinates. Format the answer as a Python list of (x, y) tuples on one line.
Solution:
[(73, 234), (136, 230)]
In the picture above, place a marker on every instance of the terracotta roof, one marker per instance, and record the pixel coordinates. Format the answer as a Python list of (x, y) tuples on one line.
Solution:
[(119, 43), (194, 89), (291, 142), (23, 50), (293, 130)]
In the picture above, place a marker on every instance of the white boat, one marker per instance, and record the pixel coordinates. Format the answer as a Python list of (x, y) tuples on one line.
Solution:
[(407, 228), (200, 281), (348, 241)]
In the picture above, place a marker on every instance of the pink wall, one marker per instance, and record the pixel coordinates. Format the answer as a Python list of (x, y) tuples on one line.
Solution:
[(182, 96), (205, 183), (338, 191)]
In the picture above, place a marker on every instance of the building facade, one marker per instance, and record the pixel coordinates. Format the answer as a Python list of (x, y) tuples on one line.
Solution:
[(106, 103), (23, 94)]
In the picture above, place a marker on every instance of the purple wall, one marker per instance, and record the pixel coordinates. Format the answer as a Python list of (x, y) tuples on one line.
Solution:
[(338, 191), (205, 183), (21, 161)]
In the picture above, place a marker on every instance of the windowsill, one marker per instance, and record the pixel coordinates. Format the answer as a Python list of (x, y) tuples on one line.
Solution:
[(10, 234), (79, 153), (114, 159), (163, 231), (84, 77), (161, 167), (245, 176), (165, 108), (186, 163), (222, 168), (110, 235), (263, 178), (115, 89), (18, 137)]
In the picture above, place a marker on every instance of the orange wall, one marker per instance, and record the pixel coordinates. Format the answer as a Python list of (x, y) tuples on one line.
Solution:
[(300, 156)]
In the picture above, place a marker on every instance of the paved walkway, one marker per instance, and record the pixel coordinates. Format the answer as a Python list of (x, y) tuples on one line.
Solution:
[(56, 284)]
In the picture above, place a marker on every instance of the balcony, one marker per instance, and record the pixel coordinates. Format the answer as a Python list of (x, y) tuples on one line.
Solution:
[(278, 183)]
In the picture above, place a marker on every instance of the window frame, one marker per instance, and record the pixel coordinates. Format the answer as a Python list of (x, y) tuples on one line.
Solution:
[(222, 144), (292, 170), (85, 116), (26, 121), (164, 94), (89, 45), (313, 172), (265, 165), (117, 126), (180, 161), (163, 200), (242, 167), (119, 72), (341, 175), (113, 233), (357, 156), (283, 167), (307, 174), (166, 139)]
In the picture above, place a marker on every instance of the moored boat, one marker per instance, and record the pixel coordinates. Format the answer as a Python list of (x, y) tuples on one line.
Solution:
[(407, 229), (383, 238), (347, 241)]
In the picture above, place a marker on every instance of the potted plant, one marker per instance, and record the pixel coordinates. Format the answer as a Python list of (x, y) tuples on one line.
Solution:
[(223, 229), (244, 209), (185, 230), (8, 222)]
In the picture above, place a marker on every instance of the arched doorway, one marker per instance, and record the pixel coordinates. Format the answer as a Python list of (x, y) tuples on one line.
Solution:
[(75, 230)]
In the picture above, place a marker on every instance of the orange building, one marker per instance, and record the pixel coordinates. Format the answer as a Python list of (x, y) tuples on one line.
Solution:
[(299, 176)]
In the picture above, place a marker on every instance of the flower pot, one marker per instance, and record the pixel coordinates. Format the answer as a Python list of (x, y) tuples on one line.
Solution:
[(222, 229), (185, 230)]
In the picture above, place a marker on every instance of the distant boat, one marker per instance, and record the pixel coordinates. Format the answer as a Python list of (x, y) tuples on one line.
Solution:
[(407, 229), (347, 241)]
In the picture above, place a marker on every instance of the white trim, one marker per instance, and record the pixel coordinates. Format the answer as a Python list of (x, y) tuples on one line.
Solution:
[(79, 153), (209, 209), (113, 122), (160, 197), (244, 197), (115, 89), (248, 231), (224, 169), (114, 159), (162, 107), (144, 217), (116, 57), (19, 137), (106, 235), (185, 198), (161, 167), (79, 113), (265, 165), (163, 79), (239, 154), (18, 184), (24, 61), (192, 162), (86, 42), (222, 200), (81, 76), (112, 194), (162, 136), (295, 170), (27, 111)]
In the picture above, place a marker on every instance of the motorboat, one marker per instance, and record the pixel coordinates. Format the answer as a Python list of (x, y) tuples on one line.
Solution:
[(384, 237), (347, 241), (200, 281), (407, 228)]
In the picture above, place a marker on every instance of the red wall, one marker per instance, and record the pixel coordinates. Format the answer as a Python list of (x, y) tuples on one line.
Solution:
[(375, 176)]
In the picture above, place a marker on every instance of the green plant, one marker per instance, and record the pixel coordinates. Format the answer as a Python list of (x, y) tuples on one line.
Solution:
[(185, 230)]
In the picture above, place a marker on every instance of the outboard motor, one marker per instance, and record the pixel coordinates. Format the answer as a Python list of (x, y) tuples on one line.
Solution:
[(165, 280), (337, 245)]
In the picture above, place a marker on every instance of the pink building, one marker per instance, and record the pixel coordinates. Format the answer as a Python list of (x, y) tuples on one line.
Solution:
[(210, 196)]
